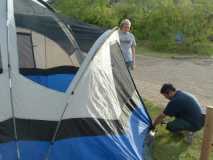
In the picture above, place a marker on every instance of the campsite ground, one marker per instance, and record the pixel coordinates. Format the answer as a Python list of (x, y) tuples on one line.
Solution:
[(169, 147), (191, 74)]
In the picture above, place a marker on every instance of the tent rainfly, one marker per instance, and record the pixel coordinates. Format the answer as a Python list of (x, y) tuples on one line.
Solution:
[(57, 104)]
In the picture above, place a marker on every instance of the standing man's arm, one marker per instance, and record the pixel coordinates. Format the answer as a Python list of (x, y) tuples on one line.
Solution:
[(159, 119), (133, 50), (133, 54)]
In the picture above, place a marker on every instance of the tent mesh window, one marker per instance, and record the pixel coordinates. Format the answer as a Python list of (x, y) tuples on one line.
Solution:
[(25, 50), (47, 53)]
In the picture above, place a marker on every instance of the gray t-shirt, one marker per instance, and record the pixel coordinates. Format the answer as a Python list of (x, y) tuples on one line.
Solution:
[(127, 41)]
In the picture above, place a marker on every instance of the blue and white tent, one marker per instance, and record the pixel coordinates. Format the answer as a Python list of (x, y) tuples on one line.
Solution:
[(58, 104)]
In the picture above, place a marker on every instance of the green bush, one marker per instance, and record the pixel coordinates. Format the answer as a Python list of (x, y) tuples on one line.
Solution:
[(156, 21)]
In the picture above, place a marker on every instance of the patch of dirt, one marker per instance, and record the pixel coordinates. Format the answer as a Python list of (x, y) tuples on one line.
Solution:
[(192, 75)]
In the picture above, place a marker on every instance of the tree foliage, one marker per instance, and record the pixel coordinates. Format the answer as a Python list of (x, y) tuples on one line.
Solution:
[(156, 22)]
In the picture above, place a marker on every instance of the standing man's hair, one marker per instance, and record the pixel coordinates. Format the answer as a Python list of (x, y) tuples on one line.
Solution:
[(166, 88), (125, 21)]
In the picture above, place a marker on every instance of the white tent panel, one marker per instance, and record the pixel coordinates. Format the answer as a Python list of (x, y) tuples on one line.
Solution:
[(96, 88), (33, 101)]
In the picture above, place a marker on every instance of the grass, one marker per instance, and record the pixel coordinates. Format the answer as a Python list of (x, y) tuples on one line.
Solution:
[(169, 147), (158, 22), (143, 48)]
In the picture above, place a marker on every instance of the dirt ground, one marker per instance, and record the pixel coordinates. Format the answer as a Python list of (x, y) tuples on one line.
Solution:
[(189, 74)]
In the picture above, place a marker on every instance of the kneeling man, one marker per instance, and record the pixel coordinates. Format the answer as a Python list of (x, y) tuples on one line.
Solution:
[(184, 107)]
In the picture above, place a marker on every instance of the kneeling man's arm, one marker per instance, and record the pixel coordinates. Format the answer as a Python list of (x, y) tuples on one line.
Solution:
[(159, 119)]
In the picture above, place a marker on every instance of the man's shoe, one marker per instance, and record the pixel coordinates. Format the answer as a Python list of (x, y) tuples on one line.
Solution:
[(189, 137)]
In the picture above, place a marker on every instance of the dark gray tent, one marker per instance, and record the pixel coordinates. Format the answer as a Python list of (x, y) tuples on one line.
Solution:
[(84, 33)]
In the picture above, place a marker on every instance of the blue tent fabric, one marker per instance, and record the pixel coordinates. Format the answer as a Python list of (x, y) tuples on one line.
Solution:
[(105, 147), (57, 78), (58, 82), (139, 124)]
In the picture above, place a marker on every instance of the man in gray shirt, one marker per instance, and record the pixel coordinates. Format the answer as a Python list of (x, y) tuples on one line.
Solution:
[(127, 43)]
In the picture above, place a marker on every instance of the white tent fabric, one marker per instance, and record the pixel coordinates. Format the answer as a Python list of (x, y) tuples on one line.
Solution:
[(40, 98), (96, 83), (4, 79)]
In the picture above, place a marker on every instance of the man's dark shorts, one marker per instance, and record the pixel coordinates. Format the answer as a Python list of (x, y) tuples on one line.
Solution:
[(181, 125), (130, 65)]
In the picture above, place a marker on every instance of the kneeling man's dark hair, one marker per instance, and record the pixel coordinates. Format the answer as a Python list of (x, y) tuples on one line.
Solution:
[(166, 88)]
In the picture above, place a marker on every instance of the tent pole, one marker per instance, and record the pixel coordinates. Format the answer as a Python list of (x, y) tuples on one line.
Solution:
[(11, 89), (56, 132), (13, 114), (12, 101)]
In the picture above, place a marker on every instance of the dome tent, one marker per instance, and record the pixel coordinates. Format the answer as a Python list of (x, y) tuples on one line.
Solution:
[(56, 104)]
